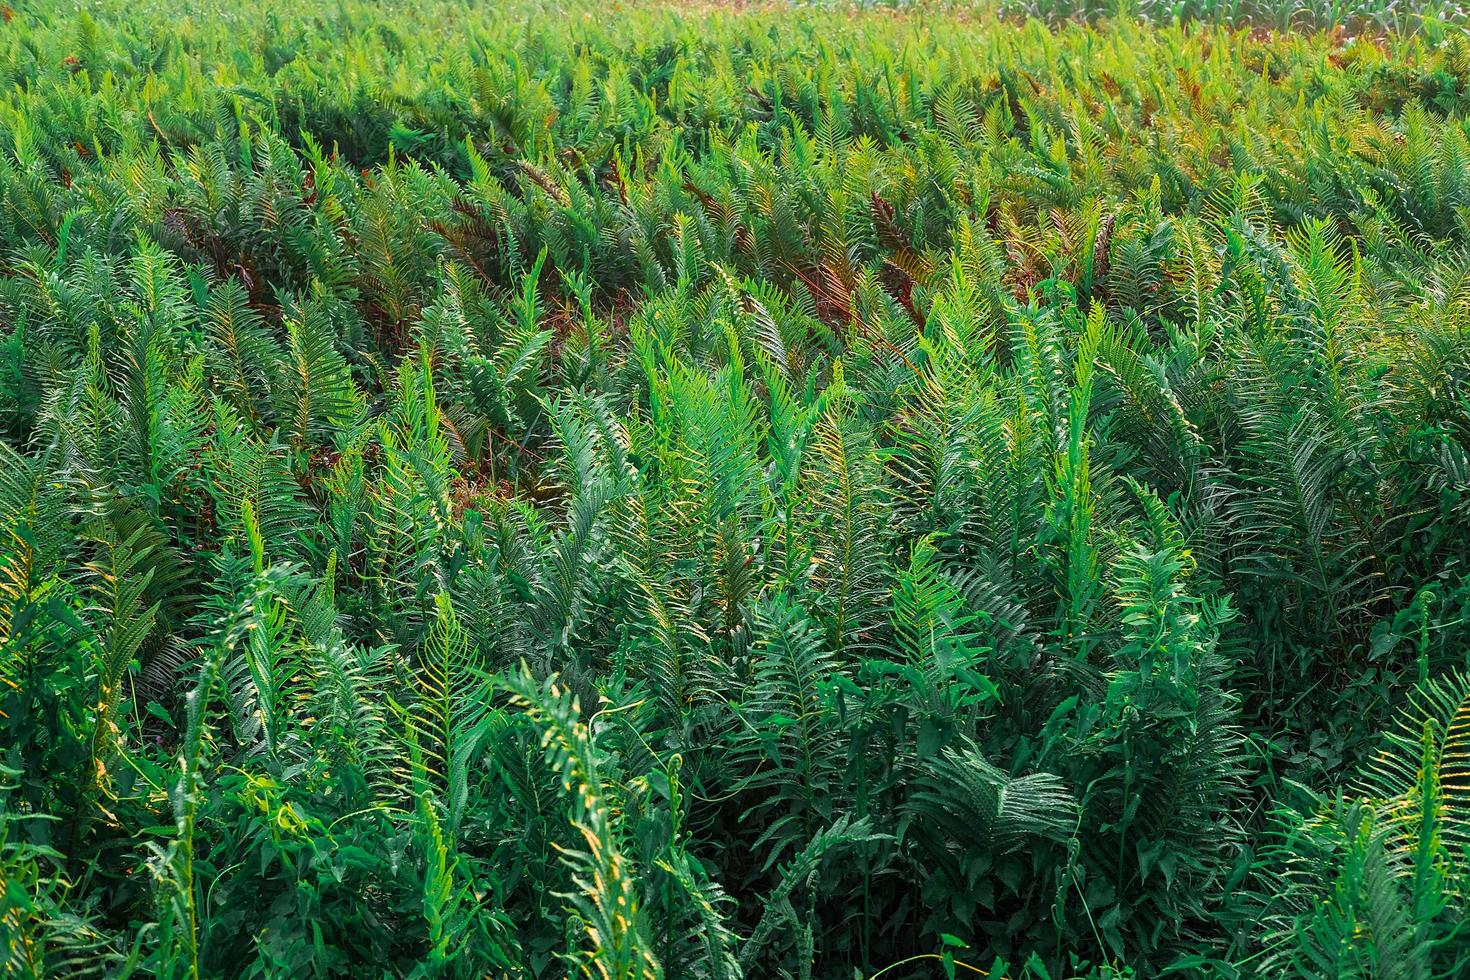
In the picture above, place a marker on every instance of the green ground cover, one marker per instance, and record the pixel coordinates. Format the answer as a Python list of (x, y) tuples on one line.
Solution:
[(665, 490)]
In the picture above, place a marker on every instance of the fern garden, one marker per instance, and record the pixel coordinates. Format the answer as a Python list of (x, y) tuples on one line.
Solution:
[(543, 490)]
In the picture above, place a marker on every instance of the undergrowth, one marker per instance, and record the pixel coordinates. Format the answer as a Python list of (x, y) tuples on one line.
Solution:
[(632, 491)]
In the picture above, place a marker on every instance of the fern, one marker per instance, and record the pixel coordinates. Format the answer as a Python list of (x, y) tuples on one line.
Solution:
[(605, 903), (747, 492)]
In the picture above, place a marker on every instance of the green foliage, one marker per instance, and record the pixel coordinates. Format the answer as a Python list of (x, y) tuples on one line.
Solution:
[(536, 491)]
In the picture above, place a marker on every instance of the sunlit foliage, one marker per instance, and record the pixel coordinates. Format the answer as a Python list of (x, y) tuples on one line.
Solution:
[(619, 491)]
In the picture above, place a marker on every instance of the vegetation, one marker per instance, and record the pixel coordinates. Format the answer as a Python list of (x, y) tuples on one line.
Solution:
[(532, 491)]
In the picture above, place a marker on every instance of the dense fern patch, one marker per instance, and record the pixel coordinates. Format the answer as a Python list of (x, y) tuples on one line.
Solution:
[(533, 491)]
